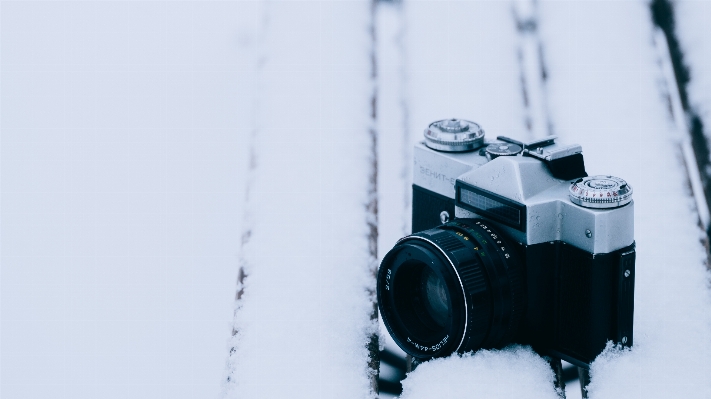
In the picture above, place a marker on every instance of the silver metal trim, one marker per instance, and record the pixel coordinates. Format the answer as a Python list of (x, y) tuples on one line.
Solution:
[(600, 204), (546, 141), (550, 154), (512, 141)]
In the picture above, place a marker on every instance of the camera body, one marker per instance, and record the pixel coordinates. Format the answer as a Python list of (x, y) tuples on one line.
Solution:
[(576, 250)]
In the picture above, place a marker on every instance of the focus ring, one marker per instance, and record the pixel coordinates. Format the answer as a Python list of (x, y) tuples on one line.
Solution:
[(475, 286), (507, 266), (478, 294)]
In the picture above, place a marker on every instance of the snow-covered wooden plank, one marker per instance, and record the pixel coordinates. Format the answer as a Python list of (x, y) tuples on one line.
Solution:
[(304, 321), (394, 164), (690, 21), (465, 67), (394, 136), (531, 60), (687, 138), (120, 196), (607, 92)]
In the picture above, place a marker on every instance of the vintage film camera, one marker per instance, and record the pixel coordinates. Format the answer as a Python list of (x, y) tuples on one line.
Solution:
[(512, 243)]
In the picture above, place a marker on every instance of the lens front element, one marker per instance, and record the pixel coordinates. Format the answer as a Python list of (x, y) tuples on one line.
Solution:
[(421, 292), (436, 297), (457, 287)]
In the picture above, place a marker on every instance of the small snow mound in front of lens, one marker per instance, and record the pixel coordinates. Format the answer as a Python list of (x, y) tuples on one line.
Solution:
[(512, 372)]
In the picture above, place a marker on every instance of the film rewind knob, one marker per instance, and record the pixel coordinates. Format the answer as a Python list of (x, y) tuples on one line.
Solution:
[(454, 135)]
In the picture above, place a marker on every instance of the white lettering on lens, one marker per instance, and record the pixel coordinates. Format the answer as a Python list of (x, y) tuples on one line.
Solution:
[(429, 348)]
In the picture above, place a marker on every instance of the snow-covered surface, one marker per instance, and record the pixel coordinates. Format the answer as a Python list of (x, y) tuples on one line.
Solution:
[(394, 149), (462, 62), (606, 92), (121, 197), (513, 372), (126, 127), (304, 320), (693, 19), (394, 133), (681, 120)]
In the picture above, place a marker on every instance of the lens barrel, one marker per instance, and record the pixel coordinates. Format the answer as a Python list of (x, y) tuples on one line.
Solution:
[(457, 287)]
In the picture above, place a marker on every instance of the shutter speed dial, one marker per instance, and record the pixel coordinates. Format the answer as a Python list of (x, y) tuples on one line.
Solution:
[(600, 192), (496, 150)]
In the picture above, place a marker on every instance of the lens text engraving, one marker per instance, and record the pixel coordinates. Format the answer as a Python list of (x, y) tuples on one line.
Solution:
[(432, 348)]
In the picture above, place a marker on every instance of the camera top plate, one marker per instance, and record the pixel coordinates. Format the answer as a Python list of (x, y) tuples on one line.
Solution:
[(550, 214)]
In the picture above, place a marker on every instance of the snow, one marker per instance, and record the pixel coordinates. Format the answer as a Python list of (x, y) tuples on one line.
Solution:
[(692, 22), (692, 19), (121, 190), (462, 62), (682, 128), (126, 128), (304, 320), (394, 133), (394, 149), (512, 372)]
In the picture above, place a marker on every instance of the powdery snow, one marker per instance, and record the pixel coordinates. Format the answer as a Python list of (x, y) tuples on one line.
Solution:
[(394, 135), (121, 193), (304, 320), (465, 66), (513, 372), (693, 19)]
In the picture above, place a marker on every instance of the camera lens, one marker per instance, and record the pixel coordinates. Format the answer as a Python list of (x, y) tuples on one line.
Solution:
[(457, 287), (422, 298)]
